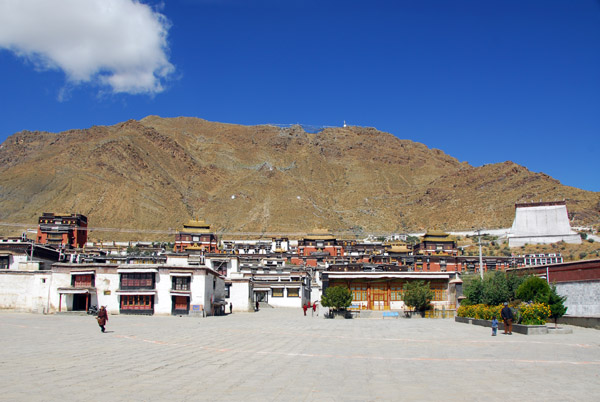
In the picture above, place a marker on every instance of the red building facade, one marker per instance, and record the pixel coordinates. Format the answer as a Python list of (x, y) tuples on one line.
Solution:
[(62, 230), (196, 235)]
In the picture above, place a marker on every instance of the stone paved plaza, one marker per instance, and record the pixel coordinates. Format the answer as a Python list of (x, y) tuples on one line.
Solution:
[(278, 354)]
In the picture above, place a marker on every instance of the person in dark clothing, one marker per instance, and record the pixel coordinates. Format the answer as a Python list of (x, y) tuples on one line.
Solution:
[(507, 317), (230, 308), (102, 318), (256, 305)]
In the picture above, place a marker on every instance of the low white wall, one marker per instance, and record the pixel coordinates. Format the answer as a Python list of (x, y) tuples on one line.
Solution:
[(521, 241)]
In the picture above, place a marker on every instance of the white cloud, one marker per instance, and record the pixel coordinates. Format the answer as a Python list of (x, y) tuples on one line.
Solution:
[(121, 44)]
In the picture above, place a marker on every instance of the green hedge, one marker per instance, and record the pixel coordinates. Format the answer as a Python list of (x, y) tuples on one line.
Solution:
[(527, 314)]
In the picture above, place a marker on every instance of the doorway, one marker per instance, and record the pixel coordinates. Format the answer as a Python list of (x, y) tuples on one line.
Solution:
[(261, 296), (80, 302), (379, 297)]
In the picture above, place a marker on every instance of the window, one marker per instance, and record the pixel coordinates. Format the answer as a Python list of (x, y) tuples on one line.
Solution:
[(82, 281), (137, 302), (359, 292), (227, 291), (181, 302), (137, 280), (293, 292), (181, 282), (397, 293), (439, 291), (277, 292)]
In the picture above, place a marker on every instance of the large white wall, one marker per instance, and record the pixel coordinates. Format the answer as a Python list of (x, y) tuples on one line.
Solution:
[(107, 282), (240, 296), (285, 301), (583, 298), (25, 291), (542, 224)]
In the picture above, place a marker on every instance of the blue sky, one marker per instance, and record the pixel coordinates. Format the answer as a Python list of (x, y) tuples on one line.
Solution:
[(484, 81)]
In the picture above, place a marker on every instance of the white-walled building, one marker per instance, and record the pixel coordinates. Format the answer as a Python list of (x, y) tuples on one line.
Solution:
[(123, 288), (541, 223)]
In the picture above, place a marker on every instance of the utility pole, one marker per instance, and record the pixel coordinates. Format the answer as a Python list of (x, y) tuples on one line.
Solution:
[(480, 257)]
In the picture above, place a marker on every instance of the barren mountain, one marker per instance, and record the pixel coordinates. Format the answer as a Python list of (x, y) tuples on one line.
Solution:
[(155, 174)]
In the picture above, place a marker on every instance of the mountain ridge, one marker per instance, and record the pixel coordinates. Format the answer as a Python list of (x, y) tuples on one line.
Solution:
[(157, 173)]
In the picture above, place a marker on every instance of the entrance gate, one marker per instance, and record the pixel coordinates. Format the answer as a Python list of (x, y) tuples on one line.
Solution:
[(379, 298), (261, 295)]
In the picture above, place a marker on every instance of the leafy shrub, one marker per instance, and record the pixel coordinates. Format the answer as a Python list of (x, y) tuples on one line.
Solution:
[(533, 289), (479, 311), (337, 297), (556, 304), (418, 294), (535, 314), (496, 288)]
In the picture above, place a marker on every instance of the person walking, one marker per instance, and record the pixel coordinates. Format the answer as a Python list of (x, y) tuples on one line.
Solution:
[(304, 307), (314, 308), (256, 305), (507, 317), (494, 326), (230, 307), (102, 318)]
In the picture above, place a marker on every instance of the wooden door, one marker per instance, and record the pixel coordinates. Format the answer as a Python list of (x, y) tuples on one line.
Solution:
[(379, 297)]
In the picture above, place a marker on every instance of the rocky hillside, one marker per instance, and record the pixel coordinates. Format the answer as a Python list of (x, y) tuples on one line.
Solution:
[(153, 175)]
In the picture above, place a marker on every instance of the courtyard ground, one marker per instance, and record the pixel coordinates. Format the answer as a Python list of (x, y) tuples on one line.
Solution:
[(279, 354)]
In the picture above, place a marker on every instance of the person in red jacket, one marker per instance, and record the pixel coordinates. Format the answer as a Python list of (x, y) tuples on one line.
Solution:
[(305, 307), (102, 318), (314, 308)]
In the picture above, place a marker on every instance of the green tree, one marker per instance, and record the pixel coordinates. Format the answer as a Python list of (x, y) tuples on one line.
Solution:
[(337, 297), (495, 289), (514, 281), (533, 289), (418, 295), (556, 303), (473, 289)]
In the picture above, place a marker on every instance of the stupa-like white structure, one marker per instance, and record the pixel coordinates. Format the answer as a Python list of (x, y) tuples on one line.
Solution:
[(541, 223)]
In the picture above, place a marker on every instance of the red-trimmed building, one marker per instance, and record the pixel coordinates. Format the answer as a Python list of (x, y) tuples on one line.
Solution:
[(196, 235), (436, 252), (61, 230), (316, 247)]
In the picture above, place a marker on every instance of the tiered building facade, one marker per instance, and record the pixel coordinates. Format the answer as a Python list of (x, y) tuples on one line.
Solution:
[(203, 275)]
